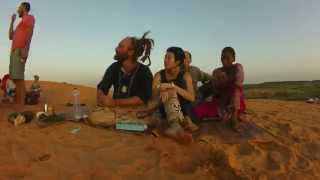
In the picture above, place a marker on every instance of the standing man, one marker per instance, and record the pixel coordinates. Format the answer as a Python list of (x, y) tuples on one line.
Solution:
[(132, 80), (21, 40)]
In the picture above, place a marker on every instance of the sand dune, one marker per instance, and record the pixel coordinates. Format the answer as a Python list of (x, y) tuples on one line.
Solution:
[(281, 142)]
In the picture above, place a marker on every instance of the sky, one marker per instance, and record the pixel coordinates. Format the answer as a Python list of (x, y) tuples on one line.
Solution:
[(74, 41)]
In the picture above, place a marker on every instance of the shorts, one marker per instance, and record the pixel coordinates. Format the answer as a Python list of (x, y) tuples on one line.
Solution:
[(16, 67)]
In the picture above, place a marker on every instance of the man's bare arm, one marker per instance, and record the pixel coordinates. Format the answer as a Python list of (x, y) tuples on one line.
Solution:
[(13, 18), (108, 101), (133, 101)]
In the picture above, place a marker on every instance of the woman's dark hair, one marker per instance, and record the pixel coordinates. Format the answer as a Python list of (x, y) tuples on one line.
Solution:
[(229, 50), (142, 47), (179, 55)]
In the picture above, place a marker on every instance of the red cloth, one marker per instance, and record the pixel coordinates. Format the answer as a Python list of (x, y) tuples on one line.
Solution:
[(4, 81), (231, 93), (211, 109)]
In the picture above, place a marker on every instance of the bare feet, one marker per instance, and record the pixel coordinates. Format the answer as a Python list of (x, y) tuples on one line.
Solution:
[(189, 125), (184, 137), (176, 132)]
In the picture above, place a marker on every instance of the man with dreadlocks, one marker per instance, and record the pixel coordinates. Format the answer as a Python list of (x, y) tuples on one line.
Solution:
[(131, 80)]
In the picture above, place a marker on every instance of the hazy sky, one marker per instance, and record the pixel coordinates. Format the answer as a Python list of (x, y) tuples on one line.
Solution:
[(74, 41)]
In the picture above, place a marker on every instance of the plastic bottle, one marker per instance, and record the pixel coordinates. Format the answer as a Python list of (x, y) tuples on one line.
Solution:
[(76, 104)]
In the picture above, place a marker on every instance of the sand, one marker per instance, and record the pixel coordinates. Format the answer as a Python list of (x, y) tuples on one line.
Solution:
[(282, 141)]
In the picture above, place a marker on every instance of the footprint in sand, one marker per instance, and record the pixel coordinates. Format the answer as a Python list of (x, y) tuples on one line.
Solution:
[(285, 131), (246, 149), (303, 164), (285, 128), (278, 156), (274, 161), (243, 157), (222, 168), (311, 151)]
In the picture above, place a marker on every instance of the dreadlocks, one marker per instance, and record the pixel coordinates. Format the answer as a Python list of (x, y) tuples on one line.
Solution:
[(142, 47)]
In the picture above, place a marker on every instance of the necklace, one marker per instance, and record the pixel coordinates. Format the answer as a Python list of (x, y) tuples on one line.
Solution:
[(123, 88)]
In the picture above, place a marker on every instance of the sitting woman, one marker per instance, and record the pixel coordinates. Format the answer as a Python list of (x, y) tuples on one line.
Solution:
[(32, 97), (174, 87), (228, 102)]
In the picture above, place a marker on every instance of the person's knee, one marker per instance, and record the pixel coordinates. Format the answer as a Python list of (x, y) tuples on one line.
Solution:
[(104, 118)]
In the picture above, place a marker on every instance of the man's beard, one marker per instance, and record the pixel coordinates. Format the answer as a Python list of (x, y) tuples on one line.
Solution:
[(120, 57)]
